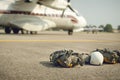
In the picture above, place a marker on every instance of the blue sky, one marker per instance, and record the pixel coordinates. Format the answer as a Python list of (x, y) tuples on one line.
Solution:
[(99, 12)]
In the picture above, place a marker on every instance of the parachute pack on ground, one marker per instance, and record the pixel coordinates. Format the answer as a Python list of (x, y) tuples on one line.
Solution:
[(110, 56), (69, 58), (66, 58)]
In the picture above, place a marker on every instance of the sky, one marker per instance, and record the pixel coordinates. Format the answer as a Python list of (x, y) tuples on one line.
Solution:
[(99, 12)]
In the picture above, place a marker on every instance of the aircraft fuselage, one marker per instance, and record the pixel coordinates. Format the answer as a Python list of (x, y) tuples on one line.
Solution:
[(17, 10)]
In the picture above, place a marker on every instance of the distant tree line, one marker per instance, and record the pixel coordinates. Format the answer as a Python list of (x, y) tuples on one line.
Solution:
[(106, 28)]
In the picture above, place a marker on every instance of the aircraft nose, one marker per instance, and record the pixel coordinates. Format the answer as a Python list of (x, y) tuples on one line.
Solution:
[(82, 21)]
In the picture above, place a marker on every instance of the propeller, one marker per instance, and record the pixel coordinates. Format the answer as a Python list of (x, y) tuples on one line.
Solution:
[(70, 7)]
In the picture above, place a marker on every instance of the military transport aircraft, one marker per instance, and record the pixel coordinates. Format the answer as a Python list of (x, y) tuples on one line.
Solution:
[(37, 15)]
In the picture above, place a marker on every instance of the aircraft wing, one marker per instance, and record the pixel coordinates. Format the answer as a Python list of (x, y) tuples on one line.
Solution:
[(33, 24)]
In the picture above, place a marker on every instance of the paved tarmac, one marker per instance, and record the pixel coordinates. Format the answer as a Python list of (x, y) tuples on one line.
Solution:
[(26, 57)]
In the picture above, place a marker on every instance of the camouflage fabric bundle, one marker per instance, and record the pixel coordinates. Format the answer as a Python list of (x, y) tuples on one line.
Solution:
[(110, 56), (86, 58), (66, 58), (118, 54)]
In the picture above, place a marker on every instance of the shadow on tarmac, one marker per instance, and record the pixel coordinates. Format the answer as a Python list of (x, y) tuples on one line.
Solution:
[(48, 64)]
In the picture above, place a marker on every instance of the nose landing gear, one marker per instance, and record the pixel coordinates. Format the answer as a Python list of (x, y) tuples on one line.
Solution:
[(70, 32)]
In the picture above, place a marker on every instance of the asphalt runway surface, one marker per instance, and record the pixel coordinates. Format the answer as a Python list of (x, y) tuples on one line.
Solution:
[(26, 57)]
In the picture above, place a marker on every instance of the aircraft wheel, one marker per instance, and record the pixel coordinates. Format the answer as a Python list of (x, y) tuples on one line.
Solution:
[(31, 32), (7, 30), (70, 32), (15, 30), (22, 32)]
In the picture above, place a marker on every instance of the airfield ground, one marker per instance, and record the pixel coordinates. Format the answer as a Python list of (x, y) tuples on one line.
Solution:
[(26, 57)]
